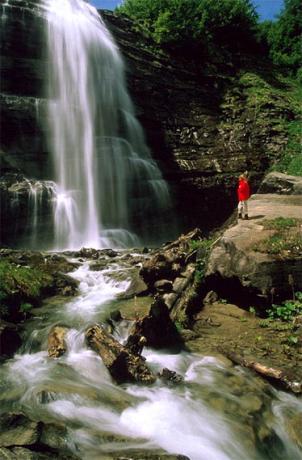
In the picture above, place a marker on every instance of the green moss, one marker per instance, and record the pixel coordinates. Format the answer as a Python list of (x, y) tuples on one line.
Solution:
[(19, 284)]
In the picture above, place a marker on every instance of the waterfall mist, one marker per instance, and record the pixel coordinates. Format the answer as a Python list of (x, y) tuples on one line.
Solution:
[(109, 190)]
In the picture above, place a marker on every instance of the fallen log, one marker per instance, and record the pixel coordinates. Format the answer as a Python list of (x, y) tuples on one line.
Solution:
[(123, 365), (56, 345), (275, 376)]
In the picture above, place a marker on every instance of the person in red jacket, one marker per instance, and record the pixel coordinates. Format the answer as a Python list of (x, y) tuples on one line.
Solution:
[(243, 192)]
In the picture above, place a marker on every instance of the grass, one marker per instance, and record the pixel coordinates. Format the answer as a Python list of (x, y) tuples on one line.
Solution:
[(286, 239)]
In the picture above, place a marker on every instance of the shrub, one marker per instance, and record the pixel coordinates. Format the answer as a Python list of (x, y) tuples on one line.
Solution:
[(287, 310)]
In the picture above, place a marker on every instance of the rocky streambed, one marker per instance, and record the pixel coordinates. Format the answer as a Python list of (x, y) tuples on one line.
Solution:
[(225, 383)]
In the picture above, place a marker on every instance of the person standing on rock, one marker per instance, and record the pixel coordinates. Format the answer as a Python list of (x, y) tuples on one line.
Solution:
[(243, 192)]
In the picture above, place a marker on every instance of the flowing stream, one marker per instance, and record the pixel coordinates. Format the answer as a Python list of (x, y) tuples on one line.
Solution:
[(109, 192), (217, 413)]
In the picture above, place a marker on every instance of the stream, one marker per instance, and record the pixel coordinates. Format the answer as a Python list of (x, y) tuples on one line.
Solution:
[(219, 412)]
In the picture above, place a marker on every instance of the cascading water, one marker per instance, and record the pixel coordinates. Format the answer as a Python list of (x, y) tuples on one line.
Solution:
[(217, 413), (108, 183)]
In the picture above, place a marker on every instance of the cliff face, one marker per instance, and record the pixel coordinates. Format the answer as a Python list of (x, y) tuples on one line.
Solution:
[(203, 129), (23, 67)]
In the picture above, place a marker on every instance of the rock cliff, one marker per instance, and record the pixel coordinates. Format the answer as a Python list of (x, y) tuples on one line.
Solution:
[(203, 126)]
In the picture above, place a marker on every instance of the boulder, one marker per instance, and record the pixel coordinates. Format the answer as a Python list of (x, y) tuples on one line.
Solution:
[(137, 286), (56, 345), (18, 430), (157, 327), (239, 270), (282, 184), (169, 261)]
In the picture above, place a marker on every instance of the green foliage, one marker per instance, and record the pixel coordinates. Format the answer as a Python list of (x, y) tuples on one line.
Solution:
[(195, 23), (203, 248), (25, 307), (284, 36), (287, 310), (293, 340)]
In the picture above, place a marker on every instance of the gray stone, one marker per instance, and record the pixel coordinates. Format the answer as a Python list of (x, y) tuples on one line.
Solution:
[(180, 284), (282, 184), (163, 285)]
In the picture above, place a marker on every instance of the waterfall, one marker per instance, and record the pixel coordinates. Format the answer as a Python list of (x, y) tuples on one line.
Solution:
[(109, 188)]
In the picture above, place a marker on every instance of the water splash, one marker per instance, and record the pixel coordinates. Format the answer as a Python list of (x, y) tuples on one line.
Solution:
[(107, 181)]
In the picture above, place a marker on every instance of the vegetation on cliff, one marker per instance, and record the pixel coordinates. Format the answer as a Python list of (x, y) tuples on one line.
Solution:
[(261, 102), (196, 25)]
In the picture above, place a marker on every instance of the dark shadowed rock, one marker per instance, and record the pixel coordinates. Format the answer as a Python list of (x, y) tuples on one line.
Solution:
[(157, 327), (10, 339)]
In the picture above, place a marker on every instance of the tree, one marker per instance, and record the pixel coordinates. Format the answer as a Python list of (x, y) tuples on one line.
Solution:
[(223, 24), (284, 36)]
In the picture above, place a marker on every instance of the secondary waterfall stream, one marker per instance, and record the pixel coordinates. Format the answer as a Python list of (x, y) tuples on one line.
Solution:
[(217, 413), (107, 182)]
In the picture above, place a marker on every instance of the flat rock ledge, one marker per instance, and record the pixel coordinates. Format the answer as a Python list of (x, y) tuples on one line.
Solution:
[(240, 269)]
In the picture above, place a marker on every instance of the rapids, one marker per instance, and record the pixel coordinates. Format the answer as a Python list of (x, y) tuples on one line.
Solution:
[(217, 413)]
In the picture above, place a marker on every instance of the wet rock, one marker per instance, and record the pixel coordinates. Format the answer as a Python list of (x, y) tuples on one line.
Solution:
[(56, 345), (210, 298), (116, 316), (163, 286), (137, 286), (10, 339), (18, 430), (121, 363), (170, 261), (20, 453), (294, 428), (170, 299), (54, 436), (98, 265), (65, 285), (135, 344), (157, 327), (170, 376), (180, 284)]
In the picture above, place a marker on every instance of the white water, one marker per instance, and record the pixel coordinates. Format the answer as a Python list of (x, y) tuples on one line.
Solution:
[(102, 417), (105, 175)]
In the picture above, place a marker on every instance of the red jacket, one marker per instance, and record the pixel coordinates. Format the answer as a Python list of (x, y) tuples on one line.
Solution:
[(243, 190)]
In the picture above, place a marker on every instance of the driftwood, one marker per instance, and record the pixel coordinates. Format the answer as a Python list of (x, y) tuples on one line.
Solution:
[(274, 375), (123, 365), (56, 345)]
